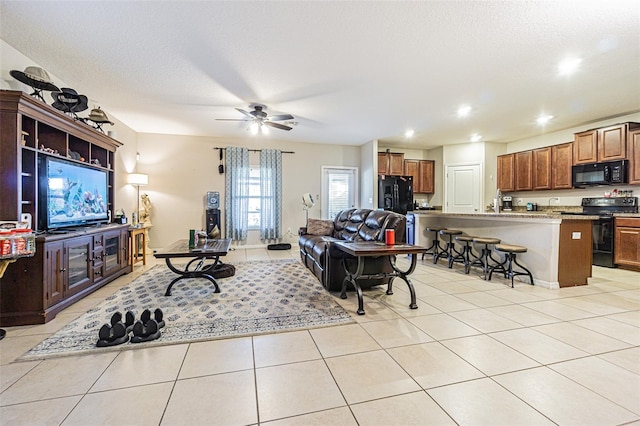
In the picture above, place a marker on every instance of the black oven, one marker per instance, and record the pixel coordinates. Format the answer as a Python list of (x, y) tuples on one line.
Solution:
[(603, 232), (603, 238)]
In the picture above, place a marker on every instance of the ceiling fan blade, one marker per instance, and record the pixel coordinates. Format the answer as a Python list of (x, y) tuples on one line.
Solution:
[(248, 114), (281, 117), (277, 125)]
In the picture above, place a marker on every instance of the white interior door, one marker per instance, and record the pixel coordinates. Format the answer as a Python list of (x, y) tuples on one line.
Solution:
[(463, 188)]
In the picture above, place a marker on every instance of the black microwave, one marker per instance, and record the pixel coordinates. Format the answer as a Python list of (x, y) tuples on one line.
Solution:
[(609, 173)]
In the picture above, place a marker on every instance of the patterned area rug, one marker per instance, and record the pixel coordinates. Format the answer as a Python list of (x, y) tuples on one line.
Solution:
[(262, 297)]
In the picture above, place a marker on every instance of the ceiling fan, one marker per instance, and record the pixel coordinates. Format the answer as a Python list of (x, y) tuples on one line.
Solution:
[(260, 120)]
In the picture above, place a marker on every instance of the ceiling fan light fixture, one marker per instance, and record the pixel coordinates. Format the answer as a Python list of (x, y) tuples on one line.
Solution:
[(264, 129), (254, 128)]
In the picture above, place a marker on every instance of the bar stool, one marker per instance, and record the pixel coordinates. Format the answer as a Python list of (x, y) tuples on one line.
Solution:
[(434, 248), (486, 254), (510, 257), (466, 254), (449, 252)]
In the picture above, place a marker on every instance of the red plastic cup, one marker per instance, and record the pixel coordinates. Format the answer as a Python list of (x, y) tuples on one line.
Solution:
[(390, 236)]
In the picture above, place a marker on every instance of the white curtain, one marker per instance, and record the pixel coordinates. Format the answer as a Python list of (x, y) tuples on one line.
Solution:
[(237, 193), (270, 194)]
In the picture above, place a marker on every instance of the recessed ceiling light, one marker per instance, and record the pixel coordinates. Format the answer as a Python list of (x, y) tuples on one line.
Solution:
[(543, 119), (475, 138), (409, 133), (464, 110), (569, 66)]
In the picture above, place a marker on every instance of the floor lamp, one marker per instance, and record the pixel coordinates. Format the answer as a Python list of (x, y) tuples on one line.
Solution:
[(138, 180)]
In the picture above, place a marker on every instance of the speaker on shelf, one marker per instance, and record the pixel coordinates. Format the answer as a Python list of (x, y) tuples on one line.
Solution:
[(213, 220), (213, 200)]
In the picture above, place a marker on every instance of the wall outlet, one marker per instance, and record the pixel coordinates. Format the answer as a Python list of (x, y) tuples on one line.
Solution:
[(520, 201)]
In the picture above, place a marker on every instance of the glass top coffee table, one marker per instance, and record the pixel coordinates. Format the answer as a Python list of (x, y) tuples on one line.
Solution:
[(211, 250), (367, 249)]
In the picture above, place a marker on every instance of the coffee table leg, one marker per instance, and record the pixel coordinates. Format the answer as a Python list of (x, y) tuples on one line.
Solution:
[(405, 276), (197, 273), (353, 279)]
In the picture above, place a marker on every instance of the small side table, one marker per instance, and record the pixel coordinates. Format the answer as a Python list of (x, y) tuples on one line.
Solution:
[(367, 249), (137, 246)]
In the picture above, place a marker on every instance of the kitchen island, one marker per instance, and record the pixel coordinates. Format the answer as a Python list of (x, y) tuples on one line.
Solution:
[(559, 247)]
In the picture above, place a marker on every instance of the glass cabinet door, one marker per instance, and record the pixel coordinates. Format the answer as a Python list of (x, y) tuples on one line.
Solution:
[(78, 252), (112, 252)]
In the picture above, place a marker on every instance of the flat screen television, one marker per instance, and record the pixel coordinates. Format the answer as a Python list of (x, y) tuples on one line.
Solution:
[(70, 194)]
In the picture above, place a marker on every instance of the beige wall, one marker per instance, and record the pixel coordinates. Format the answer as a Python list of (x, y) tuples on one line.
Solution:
[(182, 169)]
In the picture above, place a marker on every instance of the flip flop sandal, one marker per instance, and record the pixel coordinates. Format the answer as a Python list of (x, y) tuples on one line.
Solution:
[(142, 333), (111, 336)]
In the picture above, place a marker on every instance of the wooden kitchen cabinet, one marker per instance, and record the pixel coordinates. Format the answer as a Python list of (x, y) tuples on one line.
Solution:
[(541, 168), (427, 176), (585, 147), (561, 162), (523, 171), (423, 175), (603, 144), (633, 145), (627, 242), (612, 143), (391, 163), (506, 172)]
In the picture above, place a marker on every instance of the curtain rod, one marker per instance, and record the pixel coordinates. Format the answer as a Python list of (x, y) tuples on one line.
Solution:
[(258, 150)]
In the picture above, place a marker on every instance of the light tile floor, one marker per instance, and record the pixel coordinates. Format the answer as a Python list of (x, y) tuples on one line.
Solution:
[(474, 352)]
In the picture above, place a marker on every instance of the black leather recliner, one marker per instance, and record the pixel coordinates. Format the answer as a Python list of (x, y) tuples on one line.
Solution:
[(324, 259)]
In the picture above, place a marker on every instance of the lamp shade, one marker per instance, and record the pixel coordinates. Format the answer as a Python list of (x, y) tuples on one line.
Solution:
[(138, 179)]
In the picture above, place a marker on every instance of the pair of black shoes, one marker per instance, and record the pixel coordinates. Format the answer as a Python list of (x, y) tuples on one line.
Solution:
[(144, 330)]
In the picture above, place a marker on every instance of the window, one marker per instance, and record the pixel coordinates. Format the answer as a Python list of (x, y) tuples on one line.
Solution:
[(254, 198), (339, 190)]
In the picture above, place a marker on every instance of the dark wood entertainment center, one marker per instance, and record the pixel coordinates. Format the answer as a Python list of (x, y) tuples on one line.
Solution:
[(71, 264)]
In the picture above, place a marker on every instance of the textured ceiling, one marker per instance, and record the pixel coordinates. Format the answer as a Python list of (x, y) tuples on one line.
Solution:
[(349, 72)]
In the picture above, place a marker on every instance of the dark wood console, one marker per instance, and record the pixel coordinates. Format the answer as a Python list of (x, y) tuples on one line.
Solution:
[(66, 267)]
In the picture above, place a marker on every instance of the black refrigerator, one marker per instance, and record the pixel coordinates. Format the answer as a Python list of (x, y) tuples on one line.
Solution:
[(395, 193)]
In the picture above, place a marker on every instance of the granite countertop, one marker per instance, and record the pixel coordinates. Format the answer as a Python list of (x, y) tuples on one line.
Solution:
[(513, 215)]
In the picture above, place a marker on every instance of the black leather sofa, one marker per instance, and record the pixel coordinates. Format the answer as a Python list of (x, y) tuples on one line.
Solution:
[(324, 259)]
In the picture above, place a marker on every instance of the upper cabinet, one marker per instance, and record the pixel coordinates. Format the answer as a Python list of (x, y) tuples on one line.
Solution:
[(524, 172), (391, 163), (633, 145), (538, 169), (506, 173), (561, 162), (423, 175), (585, 147), (603, 144), (612, 143), (542, 168), (31, 129)]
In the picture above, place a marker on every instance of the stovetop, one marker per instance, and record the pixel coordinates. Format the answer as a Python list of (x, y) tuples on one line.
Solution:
[(603, 206)]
